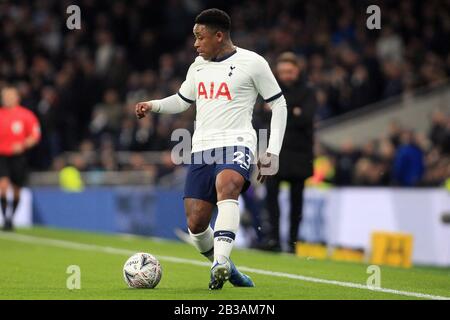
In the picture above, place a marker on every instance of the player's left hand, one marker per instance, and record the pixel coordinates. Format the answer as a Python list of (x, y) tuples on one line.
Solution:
[(18, 148), (267, 166)]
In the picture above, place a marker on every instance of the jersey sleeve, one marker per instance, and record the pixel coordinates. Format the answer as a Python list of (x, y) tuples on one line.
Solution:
[(264, 80), (187, 89)]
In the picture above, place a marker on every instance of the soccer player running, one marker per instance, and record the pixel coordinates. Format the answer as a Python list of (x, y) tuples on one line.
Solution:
[(19, 131), (224, 81)]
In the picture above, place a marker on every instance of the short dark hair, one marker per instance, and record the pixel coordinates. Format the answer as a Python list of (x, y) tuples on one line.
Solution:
[(9, 86), (214, 18)]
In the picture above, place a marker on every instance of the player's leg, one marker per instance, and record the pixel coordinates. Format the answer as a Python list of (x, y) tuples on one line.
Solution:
[(19, 174), (273, 189), (297, 187), (4, 185), (15, 202), (231, 178), (198, 215), (199, 202), (253, 205), (229, 184)]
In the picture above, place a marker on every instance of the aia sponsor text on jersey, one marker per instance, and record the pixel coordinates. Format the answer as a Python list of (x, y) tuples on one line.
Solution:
[(213, 91)]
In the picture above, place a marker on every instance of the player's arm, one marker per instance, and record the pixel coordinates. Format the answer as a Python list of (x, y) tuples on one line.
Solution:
[(269, 89), (34, 132), (277, 125), (31, 141), (307, 111), (33, 135), (268, 162), (175, 103)]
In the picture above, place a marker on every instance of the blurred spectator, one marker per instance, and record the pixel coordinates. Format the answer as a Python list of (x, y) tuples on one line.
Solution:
[(323, 169), (362, 90), (408, 163), (440, 131), (107, 115), (393, 79), (143, 134), (70, 178), (386, 155), (394, 133), (390, 45), (323, 109), (346, 159)]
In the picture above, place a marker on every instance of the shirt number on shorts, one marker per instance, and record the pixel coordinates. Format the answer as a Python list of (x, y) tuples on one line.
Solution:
[(239, 156)]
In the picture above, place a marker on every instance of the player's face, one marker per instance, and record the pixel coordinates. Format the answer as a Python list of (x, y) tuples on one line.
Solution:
[(10, 97), (207, 42), (287, 72)]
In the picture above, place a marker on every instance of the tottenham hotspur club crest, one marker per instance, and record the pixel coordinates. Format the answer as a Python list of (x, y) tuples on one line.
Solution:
[(231, 71)]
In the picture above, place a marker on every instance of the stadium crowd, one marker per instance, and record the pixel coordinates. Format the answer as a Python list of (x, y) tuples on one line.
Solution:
[(83, 84), (401, 157)]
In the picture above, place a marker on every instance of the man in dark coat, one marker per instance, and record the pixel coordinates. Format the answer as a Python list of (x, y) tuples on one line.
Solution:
[(296, 157)]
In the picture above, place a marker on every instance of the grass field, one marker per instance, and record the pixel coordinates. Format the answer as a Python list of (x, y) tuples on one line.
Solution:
[(33, 264)]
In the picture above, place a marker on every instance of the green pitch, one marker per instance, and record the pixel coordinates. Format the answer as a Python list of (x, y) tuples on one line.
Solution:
[(33, 265)]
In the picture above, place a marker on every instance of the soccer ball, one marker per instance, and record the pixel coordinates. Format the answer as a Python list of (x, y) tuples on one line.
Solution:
[(142, 270)]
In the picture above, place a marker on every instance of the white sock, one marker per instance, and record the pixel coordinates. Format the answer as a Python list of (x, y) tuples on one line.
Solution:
[(227, 224), (204, 242)]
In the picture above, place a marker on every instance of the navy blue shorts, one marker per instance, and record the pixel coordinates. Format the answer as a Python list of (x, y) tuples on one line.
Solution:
[(206, 165)]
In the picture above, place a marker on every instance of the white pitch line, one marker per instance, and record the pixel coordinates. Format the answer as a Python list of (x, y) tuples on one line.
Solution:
[(126, 252)]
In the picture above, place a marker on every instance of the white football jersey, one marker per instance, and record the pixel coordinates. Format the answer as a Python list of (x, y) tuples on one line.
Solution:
[(225, 93)]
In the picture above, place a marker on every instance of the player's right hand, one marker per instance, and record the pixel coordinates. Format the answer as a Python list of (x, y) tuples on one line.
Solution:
[(142, 108)]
